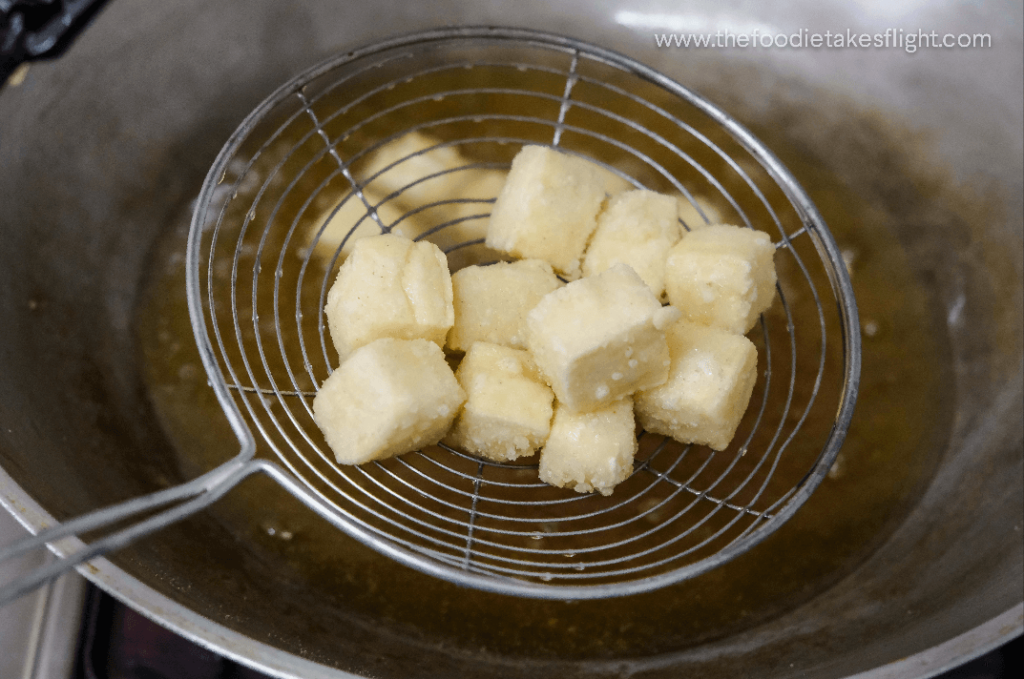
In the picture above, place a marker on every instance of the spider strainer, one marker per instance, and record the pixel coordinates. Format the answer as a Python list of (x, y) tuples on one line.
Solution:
[(258, 275)]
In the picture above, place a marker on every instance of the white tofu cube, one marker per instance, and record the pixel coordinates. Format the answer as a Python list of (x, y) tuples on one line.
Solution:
[(600, 338), (508, 407), (415, 157), (474, 217), (491, 302), (722, 276), (708, 389), (637, 228), (389, 397), (590, 451), (350, 218), (548, 208), (390, 287), (692, 218)]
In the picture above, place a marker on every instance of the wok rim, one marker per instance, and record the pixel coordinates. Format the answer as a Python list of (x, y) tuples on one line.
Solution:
[(263, 657)]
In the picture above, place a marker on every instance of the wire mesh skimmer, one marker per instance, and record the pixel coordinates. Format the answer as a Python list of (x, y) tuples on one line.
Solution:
[(260, 261)]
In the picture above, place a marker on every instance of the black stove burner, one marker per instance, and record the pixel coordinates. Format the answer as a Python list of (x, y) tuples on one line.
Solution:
[(118, 643)]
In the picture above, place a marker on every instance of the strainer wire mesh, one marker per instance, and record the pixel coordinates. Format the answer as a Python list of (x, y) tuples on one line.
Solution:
[(486, 524)]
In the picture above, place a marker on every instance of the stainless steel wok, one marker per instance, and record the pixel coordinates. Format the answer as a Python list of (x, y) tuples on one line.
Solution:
[(907, 560)]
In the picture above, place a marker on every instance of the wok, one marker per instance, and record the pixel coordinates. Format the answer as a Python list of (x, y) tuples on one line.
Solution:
[(907, 560)]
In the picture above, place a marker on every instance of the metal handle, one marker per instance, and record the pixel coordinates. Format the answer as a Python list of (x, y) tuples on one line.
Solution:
[(38, 29), (184, 500)]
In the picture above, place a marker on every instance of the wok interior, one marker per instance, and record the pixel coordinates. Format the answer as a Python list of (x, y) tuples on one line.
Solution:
[(911, 543)]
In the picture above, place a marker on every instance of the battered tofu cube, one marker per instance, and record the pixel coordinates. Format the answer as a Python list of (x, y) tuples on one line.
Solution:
[(590, 451), (491, 302), (692, 218), (390, 287), (637, 228), (415, 158), (472, 218), (708, 389), (389, 397), (408, 178), (351, 218), (508, 408), (548, 208), (600, 338), (722, 276)]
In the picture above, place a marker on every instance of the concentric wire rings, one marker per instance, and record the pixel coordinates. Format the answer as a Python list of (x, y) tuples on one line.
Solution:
[(258, 276)]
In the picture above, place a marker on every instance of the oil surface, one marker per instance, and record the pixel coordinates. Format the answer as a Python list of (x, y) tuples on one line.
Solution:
[(897, 432)]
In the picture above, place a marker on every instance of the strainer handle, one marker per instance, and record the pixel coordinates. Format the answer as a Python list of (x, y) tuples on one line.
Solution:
[(178, 503)]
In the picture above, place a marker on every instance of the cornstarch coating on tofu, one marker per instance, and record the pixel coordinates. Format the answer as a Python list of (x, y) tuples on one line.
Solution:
[(548, 208), (508, 407), (636, 228), (390, 287), (389, 397), (708, 389), (590, 451), (722, 276), (491, 302), (600, 338)]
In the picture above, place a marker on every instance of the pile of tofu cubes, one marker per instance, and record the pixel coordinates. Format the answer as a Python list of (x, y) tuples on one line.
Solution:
[(611, 315)]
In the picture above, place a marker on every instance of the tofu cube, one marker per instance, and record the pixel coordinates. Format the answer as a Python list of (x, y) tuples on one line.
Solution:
[(722, 276), (590, 451), (472, 218), (508, 407), (415, 156), (464, 240), (637, 228), (407, 166), (350, 221), (491, 302), (600, 338), (708, 389), (389, 397), (548, 208), (390, 287)]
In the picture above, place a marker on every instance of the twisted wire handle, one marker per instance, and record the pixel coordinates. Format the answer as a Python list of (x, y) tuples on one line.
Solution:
[(174, 504)]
